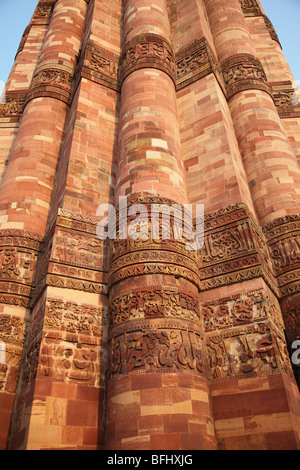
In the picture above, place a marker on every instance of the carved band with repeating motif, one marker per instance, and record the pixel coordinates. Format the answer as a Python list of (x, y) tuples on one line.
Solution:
[(283, 237), (152, 303), (101, 66), (156, 346), (148, 51), (19, 251), (52, 80), (286, 98), (43, 13), (243, 72), (195, 62), (252, 350), (234, 249), (11, 108)]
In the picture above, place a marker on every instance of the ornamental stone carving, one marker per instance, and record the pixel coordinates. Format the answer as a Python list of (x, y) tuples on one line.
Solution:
[(52, 80), (156, 347), (250, 8), (195, 62), (246, 352), (101, 66), (152, 303), (285, 99), (148, 51), (243, 72)]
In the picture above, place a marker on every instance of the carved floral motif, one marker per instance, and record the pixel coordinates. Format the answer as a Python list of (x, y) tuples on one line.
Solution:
[(152, 303), (242, 309)]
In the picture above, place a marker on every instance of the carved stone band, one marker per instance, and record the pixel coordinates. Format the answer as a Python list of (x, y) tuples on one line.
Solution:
[(283, 236), (148, 51), (152, 303), (251, 8), (51, 80), (156, 346), (11, 109), (286, 99), (195, 62), (244, 72), (19, 251), (43, 13), (101, 66)]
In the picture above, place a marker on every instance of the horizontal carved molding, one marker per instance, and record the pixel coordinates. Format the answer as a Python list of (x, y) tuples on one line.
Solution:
[(19, 251), (168, 346), (241, 309), (152, 303), (195, 62), (286, 99), (11, 108), (153, 255), (71, 345), (43, 13), (283, 236), (78, 259), (271, 29), (148, 51), (101, 66), (253, 350), (243, 72), (251, 8), (234, 249), (73, 257), (51, 80)]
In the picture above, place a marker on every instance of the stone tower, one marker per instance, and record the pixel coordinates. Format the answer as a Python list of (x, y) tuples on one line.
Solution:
[(140, 343)]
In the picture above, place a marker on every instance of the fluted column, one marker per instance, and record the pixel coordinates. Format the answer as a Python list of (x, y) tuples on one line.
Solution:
[(266, 148), (274, 181), (27, 185), (13, 97), (157, 395)]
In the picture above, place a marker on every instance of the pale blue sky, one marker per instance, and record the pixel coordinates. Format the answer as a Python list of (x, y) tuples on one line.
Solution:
[(15, 16)]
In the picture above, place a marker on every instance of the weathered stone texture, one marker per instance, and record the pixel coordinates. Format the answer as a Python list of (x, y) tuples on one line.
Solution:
[(142, 344)]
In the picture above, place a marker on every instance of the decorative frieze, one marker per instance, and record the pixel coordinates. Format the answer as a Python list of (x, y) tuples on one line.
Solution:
[(285, 99), (245, 337), (271, 29), (241, 309), (156, 346), (160, 253), (71, 345), (243, 72), (52, 80), (190, 64), (78, 259), (19, 251), (154, 302), (251, 8), (43, 13), (11, 108), (148, 51), (13, 335), (101, 66), (195, 62), (283, 236), (249, 351), (234, 249)]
